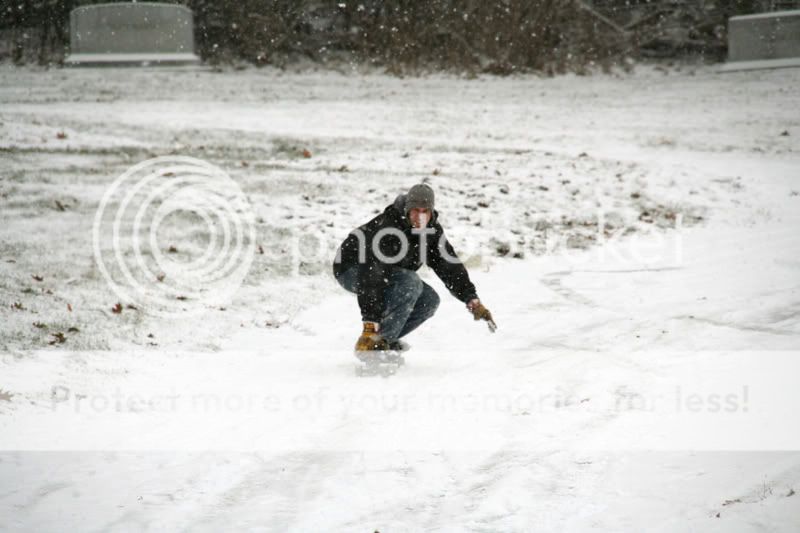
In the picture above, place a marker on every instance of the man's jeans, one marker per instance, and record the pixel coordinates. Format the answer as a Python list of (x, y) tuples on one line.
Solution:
[(407, 301)]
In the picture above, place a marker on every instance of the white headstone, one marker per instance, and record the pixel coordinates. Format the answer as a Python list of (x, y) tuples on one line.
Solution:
[(764, 40), (132, 33)]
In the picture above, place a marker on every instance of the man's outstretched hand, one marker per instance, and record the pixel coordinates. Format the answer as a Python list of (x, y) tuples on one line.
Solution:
[(481, 313)]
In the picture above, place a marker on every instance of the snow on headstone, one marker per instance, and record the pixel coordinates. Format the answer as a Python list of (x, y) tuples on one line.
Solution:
[(131, 33), (764, 40)]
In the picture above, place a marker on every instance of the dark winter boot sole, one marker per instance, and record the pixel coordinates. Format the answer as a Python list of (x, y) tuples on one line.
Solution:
[(399, 346)]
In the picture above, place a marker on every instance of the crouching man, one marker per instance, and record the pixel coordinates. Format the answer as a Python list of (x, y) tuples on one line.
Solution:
[(378, 262)]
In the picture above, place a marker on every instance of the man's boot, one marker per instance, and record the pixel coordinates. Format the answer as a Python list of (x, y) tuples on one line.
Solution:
[(370, 341)]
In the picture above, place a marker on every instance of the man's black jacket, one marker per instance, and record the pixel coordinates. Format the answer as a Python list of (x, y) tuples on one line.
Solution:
[(385, 229)]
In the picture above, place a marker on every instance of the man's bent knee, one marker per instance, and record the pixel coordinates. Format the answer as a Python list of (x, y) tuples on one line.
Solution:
[(430, 300), (410, 285)]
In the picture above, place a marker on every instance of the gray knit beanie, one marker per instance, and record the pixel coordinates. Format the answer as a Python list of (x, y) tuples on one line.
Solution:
[(419, 196)]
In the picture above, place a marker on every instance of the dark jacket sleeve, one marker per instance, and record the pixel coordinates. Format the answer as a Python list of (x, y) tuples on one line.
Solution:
[(445, 263)]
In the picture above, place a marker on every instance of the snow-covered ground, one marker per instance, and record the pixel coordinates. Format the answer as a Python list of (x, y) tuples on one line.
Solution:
[(634, 236)]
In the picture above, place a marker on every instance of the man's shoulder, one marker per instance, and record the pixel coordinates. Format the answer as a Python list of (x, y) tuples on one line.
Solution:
[(382, 219)]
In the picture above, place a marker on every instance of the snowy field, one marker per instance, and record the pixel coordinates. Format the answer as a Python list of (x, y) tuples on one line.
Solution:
[(635, 237)]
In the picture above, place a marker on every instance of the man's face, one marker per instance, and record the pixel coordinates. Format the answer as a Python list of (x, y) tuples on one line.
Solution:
[(419, 217)]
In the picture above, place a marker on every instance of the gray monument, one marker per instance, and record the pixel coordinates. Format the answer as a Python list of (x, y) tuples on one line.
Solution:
[(135, 33), (765, 40)]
